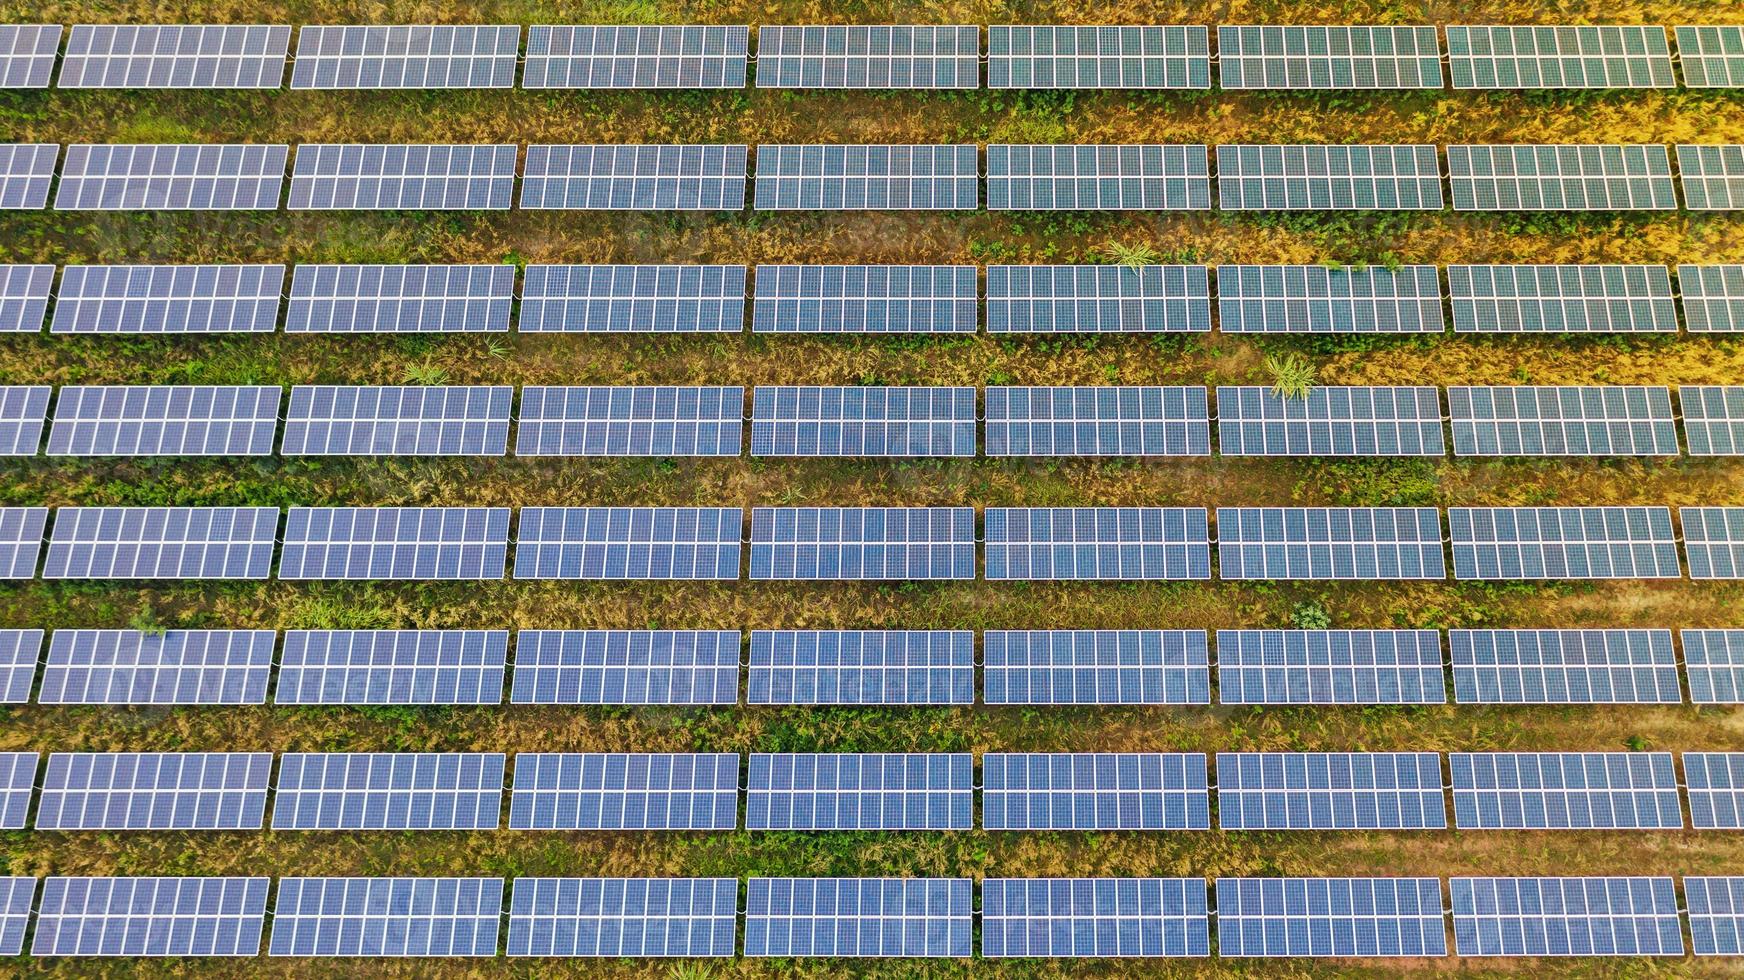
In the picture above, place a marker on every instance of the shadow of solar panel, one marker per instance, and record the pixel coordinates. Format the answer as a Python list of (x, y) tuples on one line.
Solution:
[(1084, 177), (406, 56), (175, 56), (161, 543), (625, 791), (407, 543), (22, 411), (629, 543), (1306, 177), (1712, 176), (631, 420), (1712, 56), (366, 420), (26, 170), (172, 177), (1716, 913), (1098, 299), (16, 894), (624, 917), (387, 917), (866, 299), (19, 652), (862, 543), (1562, 542), (1565, 917), (1565, 791), (154, 791), (868, 177), (1279, 917), (1714, 661), (1561, 299), (881, 56), (628, 57), (1713, 541), (1608, 56), (1330, 791), (1567, 177), (150, 917), (1716, 789), (1564, 667), (1139, 57), (862, 421), (634, 177), (859, 917), (1291, 57), (403, 176), (1098, 421), (1101, 917), (400, 299), (1317, 299), (862, 667), (1094, 791), (1330, 420), (392, 667), (626, 667), (1330, 667), (27, 54), (388, 791), (24, 292), (1097, 543), (165, 420), (21, 541), (1712, 297), (1562, 420), (17, 782), (171, 667), (818, 791), (151, 299), (1096, 667), (633, 299), (1713, 419), (1329, 543)]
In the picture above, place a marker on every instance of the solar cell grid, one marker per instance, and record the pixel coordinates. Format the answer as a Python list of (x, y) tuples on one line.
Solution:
[(1561, 299), (866, 299), (1086, 177), (1716, 915), (1098, 299), (1567, 177), (27, 54), (1075, 917), (1608, 56), (1712, 176), (1714, 661), (24, 292), (169, 667), (626, 177), (862, 543), (838, 792), (153, 299), (1712, 55), (16, 894), (625, 791), (165, 420), (1106, 543), (1712, 297), (386, 917), (1565, 917), (1320, 299), (26, 170), (626, 667), (1301, 177), (1562, 542), (154, 791), (1330, 667), (862, 667), (624, 917), (1094, 791), (633, 299), (862, 421), (175, 56), (392, 667), (388, 791), (367, 420), (868, 177), (21, 541), (1096, 667), (1565, 791), (1716, 789), (23, 409), (403, 176), (859, 917), (624, 543), (19, 652), (1589, 666), (171, 177), (1713, 541), (150, 917), (1151, 56), (1562, 420), (1330, 420), (631, 420), (1098, 421), (1364, 57), (1713, 419), (897, 56), (406, 56), (400, 298), (1330, 791), (1329, 543), (640, 57), (1277, 917), (17, 784), (407, 543), (160, 543)]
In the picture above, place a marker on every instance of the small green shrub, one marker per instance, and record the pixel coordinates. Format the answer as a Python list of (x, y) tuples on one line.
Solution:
[(1291, 375)]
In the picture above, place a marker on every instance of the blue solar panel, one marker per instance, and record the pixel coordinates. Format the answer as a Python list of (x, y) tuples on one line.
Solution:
[(1329, 543), (1103, 543), (1275, 917), (165, 420), (1716, 915), (1713, 541), (26, 170), (633, 299), (16, 892), (862, 543), (1712, 295), (21, 541), (387, 917), (1714, 661), (1565, 791), (1330, 420), (1320, 299), (168, 667), (868, 177), (1558, 56), (150, 917), (368, 420), (24, 292), (1712, 56), (1330, 667), (392, 667), (407, 543), (27, 54), (1098, 421), (882, 56), (1562, 420), (629, 543), (625, 791), (1565, 917), (414, 56), (1094, 791), (1096, 667), (1591, 666), (1330, 791), (1545, 177), (403, 176), (631, 420), (17, 783), (400, 298), (629, 177), (1562, 543), (176, 56), (1103, 57), (1712, 176), (817, 791), (1297, 57), (388, 791), (1102, 917), (791, 420), (866, 299), (862, 667), (1301, 177), (859, 917), (156, 299), (154, 791), (1088, 177), (624, 917), (1715, 783), (1098, 299), (161, 543), (626, 667), (172, 177), (654, 56), (1562, 299), (1713, 419), (19, 652)]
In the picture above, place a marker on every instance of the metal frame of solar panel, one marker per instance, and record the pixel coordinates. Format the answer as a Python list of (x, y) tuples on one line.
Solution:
[(1562, 420), (625, 791), (862, 543), (789, 791), (165, 420), (1562, 543), (1713, 541), (1320, 177), (392, 667), (398, 420), (16, 895), (629, 543), (1098, 420), (624, 917), (1090, 177), (1329, 543), (155, 299), (172, 177), (21, 541), (388, 791), (1151, 56), (1715, 785), (1309, 57), (24, 293), (23, 409), (634, 177), (866, 299), (1716, 914), (1330, 791), (633, 299), (885, 56), (1330, 667), (851, 420), (1565, 917), (1565, 791), (150, 916), (170, 667), (404, 543), (27, 54), (890, 667), (403, 176), (1292, 917), (1712, 176), (1094, 791), (631, 420), (1561, 299), (1712, 297), (20, 650), (17, 785), (1559, 56), (154, 791), (626, 667), (329, 298), (411, 56), (585, 56), (1102, 543), (26, 171), (1098, 299), (1713, 419), (1321, 299), (1096, 667), (1560, 177), (397, 917), (1330, 420), (859, 917), (1712, 55), (1100, 917), (867, 177), (161, 543), (1714, 661), (1587, 666), (176, 56)]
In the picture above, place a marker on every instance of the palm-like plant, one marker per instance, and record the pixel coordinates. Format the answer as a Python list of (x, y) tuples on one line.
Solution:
[(1291, 375), (1132, 256), (425, 374)]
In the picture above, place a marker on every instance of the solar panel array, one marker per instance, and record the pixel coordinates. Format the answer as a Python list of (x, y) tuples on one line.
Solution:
[(867, 177), (23, 410), (632, 420), (17, 783), (26, 170), (16, 894), (1329, 543), (1088, 177), (21, 540), (406, 57), (24, 292), (1330, 420), (1106, 543), (1714, 661), (624, 917), (388, 791), (102, 666), (1713, 419), (400, 298), (392, 667), (407, 543), (862, 543), (178, 56), (1712, 176), (1609, 56), (1094, 791), (625, 543), (566, 56), (625, 791), (1318, 299), (836, 792), (1712, 297), (1363, 57), (1096, 667), (1101, 57), (859, 667), (1567, 177), (1098, 421), (869, 57), (862, 421), (1716, 914), (165, 420), (27, 54), (859, 917), (1716, 789), (171, 177), (1368, 917), (403, 176), (161, 543), (1562, 542), (1098, 299), (387, 917), (1082, 917), (1330, 791), (1588, 666), (154, 791), (150, 917), (153, 299), (1713, 541), (389, 420), (866, 299), (634, 177), (1565, 917), (1561, 299), (626, 667), (633, 299), (1563, 420), (19, 651), (1712, 55), (1375, 177), (1330, 667), (1565, 791)]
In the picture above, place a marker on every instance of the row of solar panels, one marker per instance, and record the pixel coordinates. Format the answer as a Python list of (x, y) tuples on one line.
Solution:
[(866, 421), (176, 56), (886, 667)]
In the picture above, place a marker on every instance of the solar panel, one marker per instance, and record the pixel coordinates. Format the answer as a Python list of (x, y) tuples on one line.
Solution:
[(1712, 176), (837, 792), (634, 177), (17, 783), (1714, 661), (1589, 666), (1713, 419), (624, 917), (162, 543), (1330, 791), (21, 540), (1565, 917), (626, 543), (862, 543), (27, 54), (862, 667), (625, 791), (868, 57), (866, 299), (631, 420), (165, 420), (403, 176), (1364, 57), (1562, 542), (392, 667), (16, 893), (154, 791), (633, 299), (1375, 177), (1094, 791), (1713, 541), (1098, 421), (150, 917), (1609, 56), (1144, 57), (152, 299), (406, 543), (868, 177), (1712, 56), (792, 420), (370, 420), (400, 299), (1561, 299), (1562, 420), (26, 170), (1330, 420), (1320, 299), (610, 57), (1096, 667), (22, 410), (24, 292), (387, 916), (1716, 913), (175, 56), (1098, 299), (1568, 177), (1104, 543), (1080, 917), (168, 667), (859, 917), (1368, 917), (172, 177), (1329, 543), (1716, 789), (407, 56), (1087, 177), (1330, 667), (19, 652), (388, 791), (1565, 791), (626, 667), (1712, 297)]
